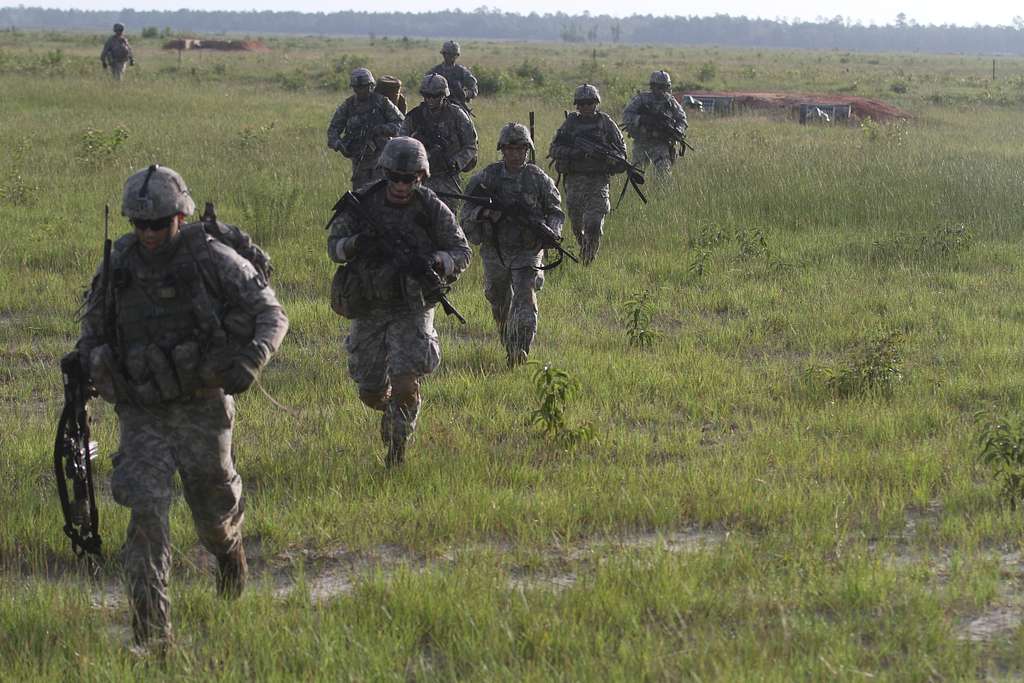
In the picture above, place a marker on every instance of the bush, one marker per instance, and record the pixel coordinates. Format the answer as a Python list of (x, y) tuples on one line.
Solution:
[(150, 32), (490, 81), (707, 72)]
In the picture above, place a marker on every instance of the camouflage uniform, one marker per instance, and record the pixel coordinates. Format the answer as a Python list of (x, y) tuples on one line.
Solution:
[(164, 366), (511, 254), (117, 54), (587, 176), (651, 146), (394, 345), (351, 132), (450, 138)]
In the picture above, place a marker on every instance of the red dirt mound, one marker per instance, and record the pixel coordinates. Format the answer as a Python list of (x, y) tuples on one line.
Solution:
[(785, 103), (229, 45)]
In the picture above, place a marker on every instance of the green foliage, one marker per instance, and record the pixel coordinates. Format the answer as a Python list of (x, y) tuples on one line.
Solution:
[(15, 190), (707, 72), (899, 87), (255, 138), (875, 366), (150, 32), (554, 388), (699, 265), (1002, 449), (490, 81), (96, 145), (530, 71), (638, 312)]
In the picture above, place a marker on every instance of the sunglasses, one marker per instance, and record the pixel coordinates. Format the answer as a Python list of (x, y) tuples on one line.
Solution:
[(406, 178), (156, 224)]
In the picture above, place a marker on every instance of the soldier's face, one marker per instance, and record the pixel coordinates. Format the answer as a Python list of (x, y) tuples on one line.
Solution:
[(449, 57), (362, 91), (586, 108), (151, 239), (514, 156), (433, 102), (659, 89), (400, 186)]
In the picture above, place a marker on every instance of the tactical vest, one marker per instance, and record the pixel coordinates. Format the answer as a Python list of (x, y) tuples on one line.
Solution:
[(594, 129), (370, 283), (119, 49)]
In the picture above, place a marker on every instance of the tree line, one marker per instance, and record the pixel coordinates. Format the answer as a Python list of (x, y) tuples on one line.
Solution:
[(903, 35)]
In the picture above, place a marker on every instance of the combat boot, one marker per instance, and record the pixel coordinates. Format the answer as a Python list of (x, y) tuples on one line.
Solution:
[(516, 357), (232, 570)]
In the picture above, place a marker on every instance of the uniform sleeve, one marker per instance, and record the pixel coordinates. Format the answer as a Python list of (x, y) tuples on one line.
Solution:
[(128, 46), (560, 150), (466, 156), (475, 227), (392, 117), (631, 115), (614, 136), (678, 113), (469, 83), (448, 236), (408, 127), (551, 202), (246, 290), (105, 54), (336, 129), (341, 229), (91, 332)]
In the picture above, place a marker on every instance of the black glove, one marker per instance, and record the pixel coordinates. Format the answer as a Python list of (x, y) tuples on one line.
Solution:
[(243, 369), (131, 62), (103, 63)]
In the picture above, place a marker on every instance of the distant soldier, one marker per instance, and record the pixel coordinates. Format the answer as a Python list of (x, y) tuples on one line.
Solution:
[(391, 225), (587, 174), (656, 121), (512, 250), (361, 126), (117, 53), (448, 134), (178, 323), (461, 81), (391, 88)]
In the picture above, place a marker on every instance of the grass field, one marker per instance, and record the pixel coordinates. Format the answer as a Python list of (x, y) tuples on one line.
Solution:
[(783, 486)]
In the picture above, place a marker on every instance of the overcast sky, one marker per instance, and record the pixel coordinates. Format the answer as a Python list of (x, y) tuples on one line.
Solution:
[(988, 12)]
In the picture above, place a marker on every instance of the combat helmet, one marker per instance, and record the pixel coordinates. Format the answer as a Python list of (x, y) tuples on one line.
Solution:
[(405, 155), (156, 192), (586, 93), (450, 47), (434, 85), (661, 78), (118, 28), (361, 76), (514, 134)]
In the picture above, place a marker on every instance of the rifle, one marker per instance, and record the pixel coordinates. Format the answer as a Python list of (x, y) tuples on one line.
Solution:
[(549, 239), (663, 122), (435, 144), (408, 260), (533, 137), (237, 239), (73, 450), (634, 174)]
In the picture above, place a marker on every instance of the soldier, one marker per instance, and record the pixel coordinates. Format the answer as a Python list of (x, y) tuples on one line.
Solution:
[(656, 121), (177, 324), (448, 134), (587, 174), (392, 343), (461, 81), (117, 53), (512, 252), (362, 125), (391, 88)]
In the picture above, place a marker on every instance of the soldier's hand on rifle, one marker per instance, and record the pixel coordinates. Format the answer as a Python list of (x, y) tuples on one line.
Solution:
[(131, 61), (443, 264), (243, 370)]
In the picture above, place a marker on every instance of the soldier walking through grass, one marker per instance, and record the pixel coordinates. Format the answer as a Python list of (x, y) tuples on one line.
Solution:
[(117, 53), (176, 324), (587, 174), (362, 125), (461, 81), (656, 122), (512, 251), (400, 248), (447, 133)]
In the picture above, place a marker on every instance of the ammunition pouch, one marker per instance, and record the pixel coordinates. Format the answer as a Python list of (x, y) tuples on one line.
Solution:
[(347, 293), (359, 286)]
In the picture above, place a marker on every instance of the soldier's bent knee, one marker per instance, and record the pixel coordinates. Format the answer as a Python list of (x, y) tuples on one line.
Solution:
[(375, 398), (406, 389)]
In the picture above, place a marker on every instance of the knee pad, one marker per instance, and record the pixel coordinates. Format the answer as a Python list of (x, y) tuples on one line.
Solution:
[(375, 398), (405, 390)]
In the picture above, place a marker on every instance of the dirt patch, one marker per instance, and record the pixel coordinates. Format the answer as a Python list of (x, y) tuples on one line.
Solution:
[(224, 45), (787, 104)]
